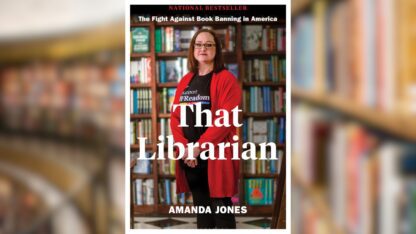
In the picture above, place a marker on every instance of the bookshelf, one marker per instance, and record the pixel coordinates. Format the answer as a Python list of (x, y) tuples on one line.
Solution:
[(389, 123), (236, 56), (316, 197), (347, 92)]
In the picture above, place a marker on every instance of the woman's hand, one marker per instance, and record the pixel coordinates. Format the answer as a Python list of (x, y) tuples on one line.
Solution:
[(192, 162)]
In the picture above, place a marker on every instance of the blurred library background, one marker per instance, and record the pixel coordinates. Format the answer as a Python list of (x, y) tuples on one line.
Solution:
[(353, 112), (62, 116)]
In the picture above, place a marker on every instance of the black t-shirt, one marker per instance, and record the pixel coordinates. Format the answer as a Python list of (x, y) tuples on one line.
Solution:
[(198, 91)]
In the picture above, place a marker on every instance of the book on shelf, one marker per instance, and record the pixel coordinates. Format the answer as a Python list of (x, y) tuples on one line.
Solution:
[(142, 166), (140, 101), (140, 39), (171, 70), (168, 196), (259, 191), (345, 161), (264, 38), (272, 69), (369, 69), (227, 38), (140, 71), (141, 128), (256, 167), (259, 131), (164, 127), (264, 99), (166, 167), (233, 68), (166, 99), (171, 39), (143, 192)]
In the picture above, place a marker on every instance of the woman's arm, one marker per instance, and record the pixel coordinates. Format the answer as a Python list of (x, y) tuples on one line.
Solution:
[(228, 98)]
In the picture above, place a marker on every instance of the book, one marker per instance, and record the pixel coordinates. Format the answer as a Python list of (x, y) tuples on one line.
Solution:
[(140, 39), (252, 37)]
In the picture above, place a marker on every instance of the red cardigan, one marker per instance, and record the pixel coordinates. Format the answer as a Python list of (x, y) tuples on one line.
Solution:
[(222, 174)]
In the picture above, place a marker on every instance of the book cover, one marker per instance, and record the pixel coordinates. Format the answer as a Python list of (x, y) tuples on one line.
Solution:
[(237, 94)]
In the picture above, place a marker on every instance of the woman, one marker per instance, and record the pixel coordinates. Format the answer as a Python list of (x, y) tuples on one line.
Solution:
[(212, 182)]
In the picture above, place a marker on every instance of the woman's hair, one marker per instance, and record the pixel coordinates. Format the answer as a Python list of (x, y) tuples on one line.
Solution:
[(218, 60)]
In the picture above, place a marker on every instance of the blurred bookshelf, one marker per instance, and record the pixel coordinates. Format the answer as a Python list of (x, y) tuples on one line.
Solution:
[(62, 114), (388, 123), (352, 116), (167, 54)]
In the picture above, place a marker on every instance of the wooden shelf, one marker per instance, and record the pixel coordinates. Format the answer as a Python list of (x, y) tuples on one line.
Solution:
[(141, 176), (136, 147), (387, 123), (133, 162), (264, 53), (140, 116), (140, 55), (167, 85), (136, 86), (263, 210), (164, 115), (264, 114), (144, 209), (265, 83), (246, 175), (167, 176), (172, 54)]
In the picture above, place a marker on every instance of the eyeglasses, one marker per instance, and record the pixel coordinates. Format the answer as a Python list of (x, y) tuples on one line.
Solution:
[(206, 45)]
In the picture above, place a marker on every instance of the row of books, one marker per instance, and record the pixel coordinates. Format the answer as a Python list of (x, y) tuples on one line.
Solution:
[(259, 131), (140, 39), (171, 70), (143, 192), (140, 101), (140, 71), (164, 127), (141, 128), (255, 167), (166, 99), (227, 37), (259, 191), (142, 166), (369, 185), (168, 196), (264, 99), (273, 69), (170, 39), (166, 167), (364, 68), (264, 37)]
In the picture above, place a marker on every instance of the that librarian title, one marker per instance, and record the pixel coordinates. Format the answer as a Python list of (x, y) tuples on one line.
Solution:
[(222, 120)]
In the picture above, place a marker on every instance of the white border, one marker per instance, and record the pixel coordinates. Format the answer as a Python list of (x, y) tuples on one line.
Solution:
[(288, 112)]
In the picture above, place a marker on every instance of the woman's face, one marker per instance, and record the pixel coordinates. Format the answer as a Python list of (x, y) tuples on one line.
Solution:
[(204, 48)]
